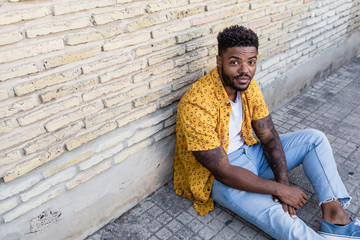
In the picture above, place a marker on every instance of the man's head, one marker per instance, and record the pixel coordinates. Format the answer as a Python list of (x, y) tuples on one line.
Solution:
[(238, 48)]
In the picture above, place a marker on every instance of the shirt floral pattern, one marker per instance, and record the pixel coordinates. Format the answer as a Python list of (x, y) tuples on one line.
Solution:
[(202, 123)]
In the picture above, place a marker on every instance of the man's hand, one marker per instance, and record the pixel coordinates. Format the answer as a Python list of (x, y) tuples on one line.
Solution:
[(291, 199)]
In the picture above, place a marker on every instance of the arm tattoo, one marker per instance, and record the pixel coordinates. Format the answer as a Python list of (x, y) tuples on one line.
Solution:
[(272, 148), (211, 159)]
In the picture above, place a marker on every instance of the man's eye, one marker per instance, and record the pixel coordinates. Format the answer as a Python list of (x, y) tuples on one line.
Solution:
[(233, 62), (252, 62)]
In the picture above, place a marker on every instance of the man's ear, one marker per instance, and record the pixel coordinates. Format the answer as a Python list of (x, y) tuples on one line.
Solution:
[(218, 61)]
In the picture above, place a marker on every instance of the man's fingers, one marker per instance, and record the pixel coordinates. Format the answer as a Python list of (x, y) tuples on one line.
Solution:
[(292, 212), (285, 207)]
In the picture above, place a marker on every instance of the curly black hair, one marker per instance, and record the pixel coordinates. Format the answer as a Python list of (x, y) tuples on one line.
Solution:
[(236, 36)]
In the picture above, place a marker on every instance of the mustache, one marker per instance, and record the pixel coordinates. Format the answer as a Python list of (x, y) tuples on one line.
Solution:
[(243, 75)]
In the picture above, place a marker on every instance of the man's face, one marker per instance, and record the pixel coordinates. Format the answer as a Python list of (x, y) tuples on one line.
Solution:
[(237, 66)]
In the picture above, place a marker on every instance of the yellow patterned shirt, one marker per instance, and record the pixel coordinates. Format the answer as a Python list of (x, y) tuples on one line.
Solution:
[(202, 123)]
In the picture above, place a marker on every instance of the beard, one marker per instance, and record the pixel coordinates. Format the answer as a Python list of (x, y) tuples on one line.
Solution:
[(231, 83)]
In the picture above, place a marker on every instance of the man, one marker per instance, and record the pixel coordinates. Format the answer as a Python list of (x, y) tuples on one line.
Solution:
[(217, 157)]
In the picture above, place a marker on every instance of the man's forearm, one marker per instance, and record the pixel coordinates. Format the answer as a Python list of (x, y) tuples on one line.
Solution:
[(272, 148)]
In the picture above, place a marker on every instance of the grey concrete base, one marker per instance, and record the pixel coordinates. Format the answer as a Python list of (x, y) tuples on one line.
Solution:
[(288, 85), (94, 203)]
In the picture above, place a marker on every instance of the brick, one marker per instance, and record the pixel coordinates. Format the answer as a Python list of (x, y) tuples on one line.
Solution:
[(170, 121), (293, 4), (120, 98), (151, 97), (207, 19), (220, 4), (48, 183), (179, 14), (9, 190), (220, 26), (60, 9), (23, 15), (134, 115), (110, 145), (107, 115), (49, 28), (260, 4), (6, 127), (48, 111), (31, 50), (52, 139), (275, 9), (20, 136), (123, 71), (35, 162), (281, 16), (188, 79), (126, 41), (105, 89), (68, 90), (9, 158), (4, 94), (166, 30), (201, 64), (200, 43), (10, 37), (8, 205), (119, 14), (287, 38), (175, 96), (297, 41), (123, 1), (165, 133), (169, 53), (112, 32), (238, 9), (254, 15), (19, 71), (131, 151), (103, 156), (270, 62), (160, 81), (83, 177), (157, 118), (68, 163), (259, 23), (190, 57), (191, 35), (87, 137), (139, 77), (165, 4), (72, 57), (83, 38), (61, 121), (155, 46), (312, 21), (300, 9), (146, 22), (144, 134), (160, 68), (106, 63), (24, 208), (51, 80)]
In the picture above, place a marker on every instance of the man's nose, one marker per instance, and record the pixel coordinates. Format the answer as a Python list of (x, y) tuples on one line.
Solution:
[(243, 68)]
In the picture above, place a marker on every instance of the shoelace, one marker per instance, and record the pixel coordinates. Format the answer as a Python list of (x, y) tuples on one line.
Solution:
[(357, 222)]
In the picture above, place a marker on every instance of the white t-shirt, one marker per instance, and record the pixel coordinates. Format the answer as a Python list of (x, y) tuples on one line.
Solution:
[(235, 138)]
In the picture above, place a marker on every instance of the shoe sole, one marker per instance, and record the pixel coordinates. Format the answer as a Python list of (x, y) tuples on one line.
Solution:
[(329, 236)]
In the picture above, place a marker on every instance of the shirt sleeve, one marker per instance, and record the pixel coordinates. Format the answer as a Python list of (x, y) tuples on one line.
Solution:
[(198, 127)]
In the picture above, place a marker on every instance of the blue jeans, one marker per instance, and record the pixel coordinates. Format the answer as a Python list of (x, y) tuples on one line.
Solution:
[(307, 147)]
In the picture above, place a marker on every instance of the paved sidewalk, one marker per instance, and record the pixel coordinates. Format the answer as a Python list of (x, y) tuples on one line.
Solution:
[(331, 105)]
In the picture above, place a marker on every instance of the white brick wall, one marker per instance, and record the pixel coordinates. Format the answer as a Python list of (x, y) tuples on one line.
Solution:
[(73, 72)]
